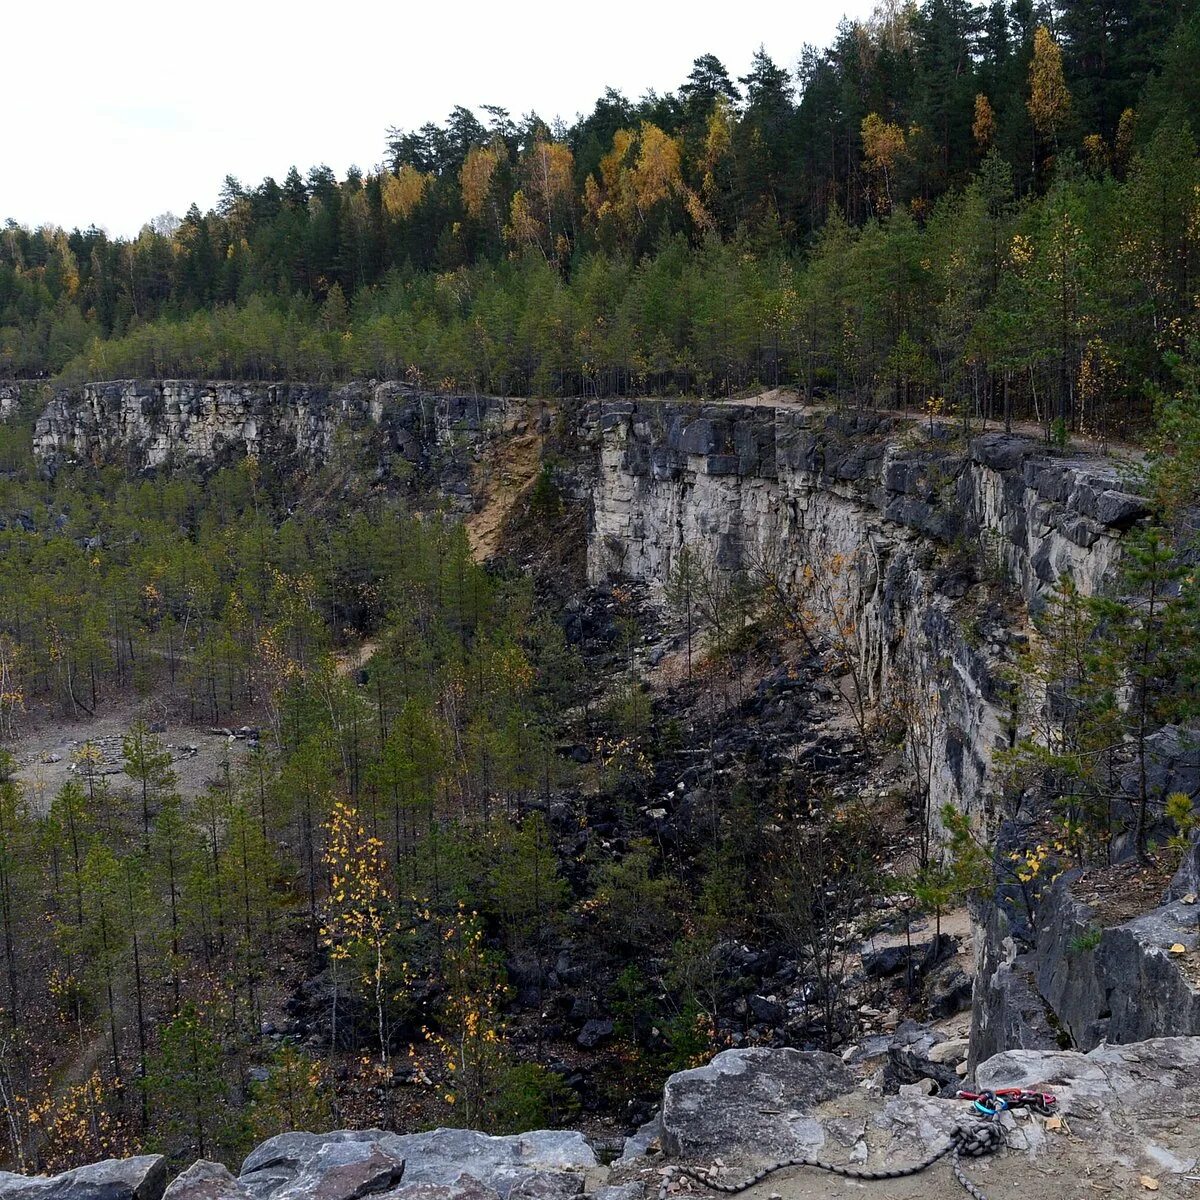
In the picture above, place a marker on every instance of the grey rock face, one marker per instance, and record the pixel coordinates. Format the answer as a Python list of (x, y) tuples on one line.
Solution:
[(823, 488), (751, 1106), (10, 400), (293, 1165), (1126, 986), (1010, 1012), (149, 424), (141, 1178), (810, 487), (1187, 878)]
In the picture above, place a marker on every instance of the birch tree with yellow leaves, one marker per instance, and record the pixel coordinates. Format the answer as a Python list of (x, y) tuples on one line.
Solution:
[(358, 925)]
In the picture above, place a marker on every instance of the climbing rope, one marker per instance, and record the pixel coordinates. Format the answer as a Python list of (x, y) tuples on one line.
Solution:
[(986, 1136)]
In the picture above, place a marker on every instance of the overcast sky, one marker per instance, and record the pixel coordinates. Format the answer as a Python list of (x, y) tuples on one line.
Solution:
[(112, 112)]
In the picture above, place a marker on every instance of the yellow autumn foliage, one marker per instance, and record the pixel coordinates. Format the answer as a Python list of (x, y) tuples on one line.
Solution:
[(402, 192)]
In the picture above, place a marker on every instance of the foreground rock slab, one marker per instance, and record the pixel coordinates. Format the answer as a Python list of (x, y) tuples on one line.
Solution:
[(141, 1178), (1137, 1105), (444, 1164), (1125, 1114), (753, 1106)]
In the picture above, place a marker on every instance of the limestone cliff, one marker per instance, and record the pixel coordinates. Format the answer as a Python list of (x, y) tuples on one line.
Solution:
[(919, 517), (951, 546), (149, 424), (16, 394)]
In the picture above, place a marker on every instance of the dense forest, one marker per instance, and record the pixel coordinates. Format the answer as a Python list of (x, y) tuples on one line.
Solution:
[(980, 207), (397, 896)]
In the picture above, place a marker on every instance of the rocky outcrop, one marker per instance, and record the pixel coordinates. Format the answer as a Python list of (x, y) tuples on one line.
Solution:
[(910, 522), (146, 425), (10, 400), (1124, 1113), (1135, 1104), (1123, 982), (1128, 1109), (936, 549), (19, 396), (445, 1164)]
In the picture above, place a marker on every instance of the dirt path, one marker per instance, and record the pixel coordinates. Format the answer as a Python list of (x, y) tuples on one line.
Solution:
[(1067, 1172), (354, 660)]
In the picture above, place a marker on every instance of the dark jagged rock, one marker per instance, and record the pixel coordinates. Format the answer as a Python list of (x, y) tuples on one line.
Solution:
[(595, 1032), (948, 990), (923, 954)]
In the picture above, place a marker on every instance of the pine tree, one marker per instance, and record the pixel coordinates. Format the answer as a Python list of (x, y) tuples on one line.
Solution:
[(148, 763)]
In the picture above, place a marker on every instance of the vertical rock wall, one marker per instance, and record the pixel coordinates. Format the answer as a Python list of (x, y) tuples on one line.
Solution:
[(914, 520), (953, 544)]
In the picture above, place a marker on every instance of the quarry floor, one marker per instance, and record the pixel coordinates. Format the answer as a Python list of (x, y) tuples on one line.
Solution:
[(48, 745)]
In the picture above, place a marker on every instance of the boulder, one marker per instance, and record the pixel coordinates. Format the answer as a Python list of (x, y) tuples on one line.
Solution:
[(141, 1178), (637, 1145), (206, 1180), (595, 1032), (633, 1190), (949, 990), (751, 1106), (925, 954), (463, 1187), (322, 1167), (952, 1051), (461, 1160), (910, 1059)]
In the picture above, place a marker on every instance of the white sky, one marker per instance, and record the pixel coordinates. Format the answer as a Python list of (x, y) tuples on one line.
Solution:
[(112, 112)]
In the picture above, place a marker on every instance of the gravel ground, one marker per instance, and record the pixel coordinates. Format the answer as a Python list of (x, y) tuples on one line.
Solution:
[(47, 749)]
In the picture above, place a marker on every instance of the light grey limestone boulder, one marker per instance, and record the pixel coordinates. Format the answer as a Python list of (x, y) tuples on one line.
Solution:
[(529, 1166), (751, 1107)]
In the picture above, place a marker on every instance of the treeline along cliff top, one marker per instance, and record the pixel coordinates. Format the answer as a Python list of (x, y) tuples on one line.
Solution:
[(992, 206)]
